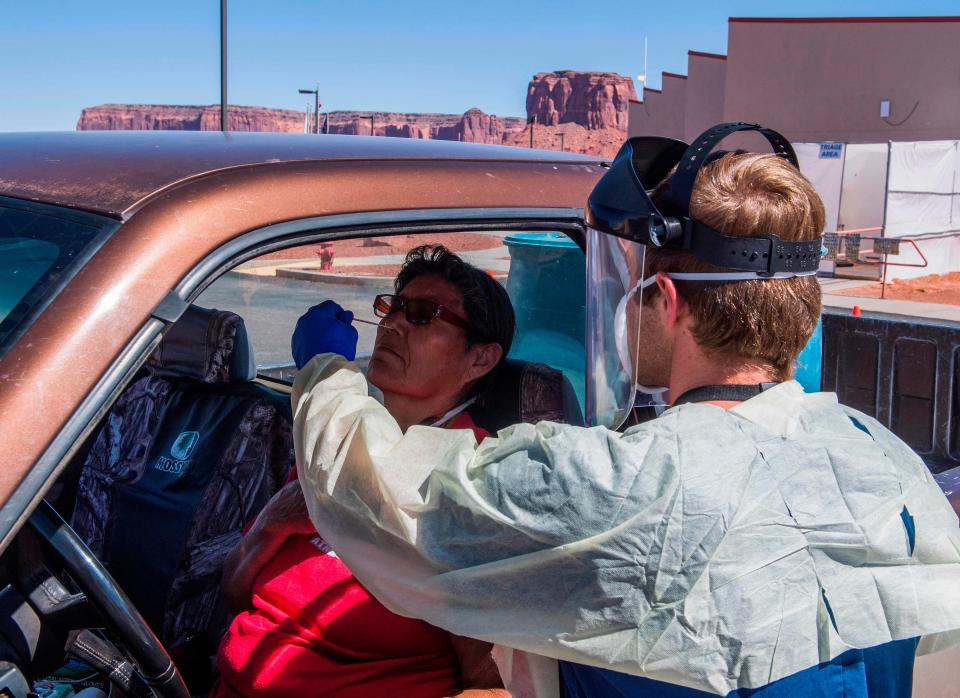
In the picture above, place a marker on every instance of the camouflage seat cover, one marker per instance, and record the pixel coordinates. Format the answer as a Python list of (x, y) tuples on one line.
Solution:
[(189, 453), (529, 392)]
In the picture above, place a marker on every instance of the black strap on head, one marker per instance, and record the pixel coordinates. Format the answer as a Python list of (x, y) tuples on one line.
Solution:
[(765, 255), (681, 184)]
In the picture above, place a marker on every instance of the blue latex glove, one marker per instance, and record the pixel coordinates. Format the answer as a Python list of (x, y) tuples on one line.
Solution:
[(324, 328)]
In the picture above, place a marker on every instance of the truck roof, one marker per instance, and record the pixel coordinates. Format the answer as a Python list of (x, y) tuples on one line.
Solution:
[(112, 172)]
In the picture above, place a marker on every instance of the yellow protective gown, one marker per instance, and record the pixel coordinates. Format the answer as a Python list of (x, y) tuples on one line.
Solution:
[(717, 549)]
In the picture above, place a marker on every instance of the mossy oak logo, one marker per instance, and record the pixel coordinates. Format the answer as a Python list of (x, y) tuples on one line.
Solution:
[(179, 453)]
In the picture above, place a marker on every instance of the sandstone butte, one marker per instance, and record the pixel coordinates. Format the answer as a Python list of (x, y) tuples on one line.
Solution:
[(588, 109), (593, 100)]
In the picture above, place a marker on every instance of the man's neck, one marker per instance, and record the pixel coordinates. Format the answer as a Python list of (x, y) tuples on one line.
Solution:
[(416, 410), (694, 367)]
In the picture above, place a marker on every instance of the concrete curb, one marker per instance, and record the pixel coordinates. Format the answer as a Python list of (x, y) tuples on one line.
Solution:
[(343, 279), (346, 280)]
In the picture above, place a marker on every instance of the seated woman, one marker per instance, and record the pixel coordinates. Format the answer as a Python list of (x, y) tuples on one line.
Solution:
[(305, 626)]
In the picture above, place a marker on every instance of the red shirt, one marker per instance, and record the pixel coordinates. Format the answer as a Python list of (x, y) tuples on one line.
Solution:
[(313, 630)]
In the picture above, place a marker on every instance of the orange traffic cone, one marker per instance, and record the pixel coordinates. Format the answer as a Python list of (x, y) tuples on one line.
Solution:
[(856, 311)]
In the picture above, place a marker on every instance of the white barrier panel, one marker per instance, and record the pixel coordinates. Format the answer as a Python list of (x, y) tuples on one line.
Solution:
[(824, 168), (923, 199), (822, 164), (864, 186)]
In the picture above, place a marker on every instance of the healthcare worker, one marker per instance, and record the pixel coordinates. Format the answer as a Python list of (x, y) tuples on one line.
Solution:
[(753, 540)]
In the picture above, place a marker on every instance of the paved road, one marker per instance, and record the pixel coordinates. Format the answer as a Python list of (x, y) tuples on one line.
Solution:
[(270, 308)]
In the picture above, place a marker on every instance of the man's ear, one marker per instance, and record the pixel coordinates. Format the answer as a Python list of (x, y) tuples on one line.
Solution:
[(484, 358), (674, 307)]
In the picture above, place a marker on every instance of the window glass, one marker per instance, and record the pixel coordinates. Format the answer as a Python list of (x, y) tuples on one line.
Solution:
[(39, 253), (23, 262), (542, 272)]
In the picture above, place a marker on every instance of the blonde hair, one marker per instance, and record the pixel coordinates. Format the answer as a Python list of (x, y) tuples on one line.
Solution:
[(767, 321)]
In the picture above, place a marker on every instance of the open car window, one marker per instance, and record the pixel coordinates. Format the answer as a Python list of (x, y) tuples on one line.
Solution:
[(543, 273)]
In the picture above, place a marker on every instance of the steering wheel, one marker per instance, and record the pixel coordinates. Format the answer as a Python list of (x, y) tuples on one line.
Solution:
[(103, 593)]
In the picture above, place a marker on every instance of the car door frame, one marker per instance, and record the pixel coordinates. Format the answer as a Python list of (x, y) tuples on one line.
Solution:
[(243, 247)]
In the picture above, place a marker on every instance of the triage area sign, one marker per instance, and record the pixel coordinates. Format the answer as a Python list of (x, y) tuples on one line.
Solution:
[(831, 150)]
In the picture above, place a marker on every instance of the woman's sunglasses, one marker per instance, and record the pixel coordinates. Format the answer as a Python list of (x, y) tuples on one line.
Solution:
[(418, 311)]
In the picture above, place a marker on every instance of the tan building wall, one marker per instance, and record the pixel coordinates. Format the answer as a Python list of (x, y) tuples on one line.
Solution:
[(662, 112), (675, 105), (706, 78), (636, 116), (824, 79), (645, 115), (819, 80)]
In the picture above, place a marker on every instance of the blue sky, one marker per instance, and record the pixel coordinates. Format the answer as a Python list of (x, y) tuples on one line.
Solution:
[(61, 56)]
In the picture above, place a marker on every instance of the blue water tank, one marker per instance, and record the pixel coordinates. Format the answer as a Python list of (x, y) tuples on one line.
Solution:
[(546, 284), (810, 361)]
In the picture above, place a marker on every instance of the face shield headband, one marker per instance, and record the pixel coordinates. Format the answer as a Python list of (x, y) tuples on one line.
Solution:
[(619, 205)]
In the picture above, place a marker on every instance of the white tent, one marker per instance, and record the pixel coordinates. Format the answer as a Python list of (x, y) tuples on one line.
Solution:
[(923, 202)]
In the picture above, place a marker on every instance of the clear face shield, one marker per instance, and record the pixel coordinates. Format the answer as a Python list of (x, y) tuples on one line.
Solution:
[(614, 301)]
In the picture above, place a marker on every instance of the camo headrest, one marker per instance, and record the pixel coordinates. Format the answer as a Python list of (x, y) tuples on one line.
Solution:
[(205, 345)]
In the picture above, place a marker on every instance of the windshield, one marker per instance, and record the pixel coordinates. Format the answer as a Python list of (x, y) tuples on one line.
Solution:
[(40, 250)]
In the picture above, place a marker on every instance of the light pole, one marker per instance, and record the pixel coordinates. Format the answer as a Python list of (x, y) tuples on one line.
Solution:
[(532, 121), (642, 78), (371, 125), (561, 134), (316, 106), (223, 65)]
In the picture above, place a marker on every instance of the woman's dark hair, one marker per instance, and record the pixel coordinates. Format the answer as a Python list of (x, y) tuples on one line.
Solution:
[(486, 303)]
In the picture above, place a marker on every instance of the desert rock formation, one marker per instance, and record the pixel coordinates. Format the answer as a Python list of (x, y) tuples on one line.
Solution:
[(588, 109), (593, 100), (573, 138), (473, 126), (164, 117)]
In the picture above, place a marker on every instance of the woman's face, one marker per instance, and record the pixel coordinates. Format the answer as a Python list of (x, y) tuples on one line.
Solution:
[(428, 361)]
